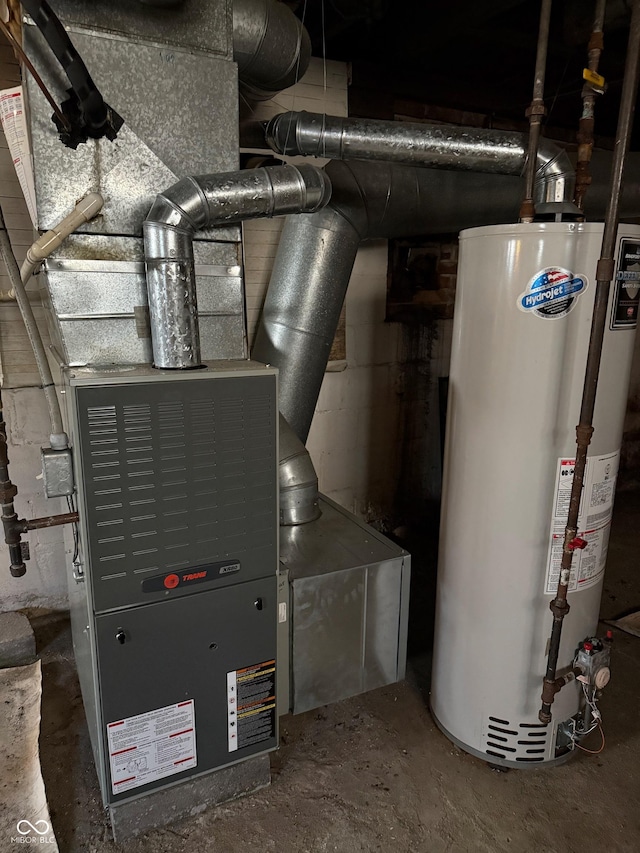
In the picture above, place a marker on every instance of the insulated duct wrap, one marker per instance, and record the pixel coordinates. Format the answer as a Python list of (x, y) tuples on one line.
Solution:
[(197, 202)]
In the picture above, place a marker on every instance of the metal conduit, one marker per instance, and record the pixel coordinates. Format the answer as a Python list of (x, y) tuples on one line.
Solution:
[(429, 146)]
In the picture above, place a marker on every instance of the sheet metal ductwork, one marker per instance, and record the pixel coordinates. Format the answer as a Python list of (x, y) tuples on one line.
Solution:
[(316, 255), (299, 502), (270, 45), (195, 203), (433, 146)]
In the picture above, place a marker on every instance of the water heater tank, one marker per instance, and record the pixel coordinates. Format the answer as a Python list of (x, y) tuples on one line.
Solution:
[(521, 331)]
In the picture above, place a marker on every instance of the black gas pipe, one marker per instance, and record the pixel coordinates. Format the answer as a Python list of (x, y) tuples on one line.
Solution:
[(604, 274)]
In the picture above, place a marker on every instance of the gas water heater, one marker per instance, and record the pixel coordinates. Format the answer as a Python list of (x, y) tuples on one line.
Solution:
[(521, 331)]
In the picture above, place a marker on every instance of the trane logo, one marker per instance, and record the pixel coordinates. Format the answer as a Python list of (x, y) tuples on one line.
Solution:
[(194, 576), (190, 577)]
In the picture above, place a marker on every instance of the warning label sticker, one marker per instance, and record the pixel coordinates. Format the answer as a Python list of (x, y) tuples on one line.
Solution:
[(594, 521), (151, 746), (251, 705)]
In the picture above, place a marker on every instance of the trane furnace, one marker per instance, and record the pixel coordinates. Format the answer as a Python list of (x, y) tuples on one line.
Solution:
[(175, 624), (211, 588)]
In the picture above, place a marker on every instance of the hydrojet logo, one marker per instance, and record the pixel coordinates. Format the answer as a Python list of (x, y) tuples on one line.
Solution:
[(552, 292)]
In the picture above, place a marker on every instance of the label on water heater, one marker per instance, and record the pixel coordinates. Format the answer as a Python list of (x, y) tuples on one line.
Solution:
[(626, 296), (552, 292), (594, 521)]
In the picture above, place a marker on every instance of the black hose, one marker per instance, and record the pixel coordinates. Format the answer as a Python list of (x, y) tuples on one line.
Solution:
[(86, 111)]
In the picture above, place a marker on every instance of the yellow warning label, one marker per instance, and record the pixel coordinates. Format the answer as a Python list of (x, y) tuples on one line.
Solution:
[(593, 78), (251, 705)]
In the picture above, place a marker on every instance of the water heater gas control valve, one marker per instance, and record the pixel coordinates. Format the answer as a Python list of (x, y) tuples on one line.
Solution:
[(592, 662)]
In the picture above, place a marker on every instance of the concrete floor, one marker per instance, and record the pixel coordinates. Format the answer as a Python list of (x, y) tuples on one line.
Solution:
[(374, 774)]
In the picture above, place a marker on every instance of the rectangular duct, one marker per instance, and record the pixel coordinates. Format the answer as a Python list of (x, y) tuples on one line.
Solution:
[(349, 600)]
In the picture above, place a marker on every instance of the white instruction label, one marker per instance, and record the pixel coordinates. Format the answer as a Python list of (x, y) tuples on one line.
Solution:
[(151, 746), (14, 125), (594, 521)]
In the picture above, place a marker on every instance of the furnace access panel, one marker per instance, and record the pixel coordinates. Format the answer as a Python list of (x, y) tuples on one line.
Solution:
[(175, 620)]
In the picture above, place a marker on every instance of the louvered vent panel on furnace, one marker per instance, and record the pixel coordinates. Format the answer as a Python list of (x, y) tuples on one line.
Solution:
[(178, 475)]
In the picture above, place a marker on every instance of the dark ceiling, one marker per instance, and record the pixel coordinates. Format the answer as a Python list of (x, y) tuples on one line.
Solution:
[(469, 55)]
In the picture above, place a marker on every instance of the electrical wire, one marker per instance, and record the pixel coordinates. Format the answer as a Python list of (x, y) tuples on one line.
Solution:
[(324, 56), (594, 751)]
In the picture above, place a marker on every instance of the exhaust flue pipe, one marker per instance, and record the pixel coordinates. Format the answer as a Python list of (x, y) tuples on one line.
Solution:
[(316, 254), (270, 45), (198, 202), (466, 149), (298, 480)]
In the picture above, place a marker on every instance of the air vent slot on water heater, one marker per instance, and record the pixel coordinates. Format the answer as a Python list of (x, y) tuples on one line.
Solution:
[(524, 742)]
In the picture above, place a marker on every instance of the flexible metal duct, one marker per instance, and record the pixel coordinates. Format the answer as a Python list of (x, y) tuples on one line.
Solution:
[(270, 45), (316, 254), (433, 146), (197, 202)]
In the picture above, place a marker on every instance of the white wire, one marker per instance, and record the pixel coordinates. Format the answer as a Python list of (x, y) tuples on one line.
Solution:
[(324, 58)]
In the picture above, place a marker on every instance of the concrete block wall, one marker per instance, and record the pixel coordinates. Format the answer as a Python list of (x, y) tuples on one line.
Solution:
[(354, 437)]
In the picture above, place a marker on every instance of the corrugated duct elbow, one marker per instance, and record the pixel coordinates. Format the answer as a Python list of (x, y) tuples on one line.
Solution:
[(194, 203), (270, 45)]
